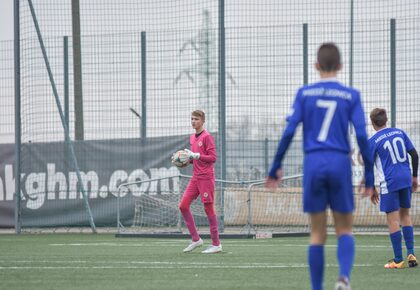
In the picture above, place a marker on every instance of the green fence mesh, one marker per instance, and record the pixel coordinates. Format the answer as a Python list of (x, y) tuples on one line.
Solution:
[(7, 123), (147, 64)]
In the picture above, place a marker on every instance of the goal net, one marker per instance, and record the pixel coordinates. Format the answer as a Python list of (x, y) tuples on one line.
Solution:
[(242, 207)]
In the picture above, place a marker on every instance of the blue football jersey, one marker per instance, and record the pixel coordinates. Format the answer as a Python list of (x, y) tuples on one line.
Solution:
[(326, 108), (390, 147)]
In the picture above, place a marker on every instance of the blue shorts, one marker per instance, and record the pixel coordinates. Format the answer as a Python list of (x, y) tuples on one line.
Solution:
[(327, 181), (393, 201)]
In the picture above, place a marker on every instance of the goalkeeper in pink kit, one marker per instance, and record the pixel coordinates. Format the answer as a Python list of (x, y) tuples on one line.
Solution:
[(203, 156)]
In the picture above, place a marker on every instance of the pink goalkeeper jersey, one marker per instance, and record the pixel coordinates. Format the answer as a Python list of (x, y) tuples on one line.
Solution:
[(203, 168)]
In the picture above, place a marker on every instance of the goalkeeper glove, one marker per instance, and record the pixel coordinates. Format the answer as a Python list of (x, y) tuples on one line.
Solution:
[(191, 155)]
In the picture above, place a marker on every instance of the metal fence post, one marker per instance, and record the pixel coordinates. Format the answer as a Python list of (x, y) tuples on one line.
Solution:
[(17, 115), (305, 53), (66, 81), (351, 43), (77, 71), (143, 118), (393, 74), (222, 104), (67, 154)]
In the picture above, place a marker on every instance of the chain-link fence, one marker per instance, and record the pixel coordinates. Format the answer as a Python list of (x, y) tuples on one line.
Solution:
[(134, 70)]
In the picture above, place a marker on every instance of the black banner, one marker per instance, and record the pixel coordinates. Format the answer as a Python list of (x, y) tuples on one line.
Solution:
[(50, 191)]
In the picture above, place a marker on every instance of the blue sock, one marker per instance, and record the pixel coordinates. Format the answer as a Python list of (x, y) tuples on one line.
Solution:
[(316, 265), (345, 254), (409, 239), (396, 246)]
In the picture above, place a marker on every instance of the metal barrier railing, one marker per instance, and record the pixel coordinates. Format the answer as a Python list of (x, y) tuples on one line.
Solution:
[(249, 228)]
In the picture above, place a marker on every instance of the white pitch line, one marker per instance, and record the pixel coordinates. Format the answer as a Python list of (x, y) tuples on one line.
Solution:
[(157, 263), (134, 262), (158, 244), (335, 246), (111, 245), (148, 266)]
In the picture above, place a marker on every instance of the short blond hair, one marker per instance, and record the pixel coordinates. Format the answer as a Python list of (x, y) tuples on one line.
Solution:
[(199, 113)]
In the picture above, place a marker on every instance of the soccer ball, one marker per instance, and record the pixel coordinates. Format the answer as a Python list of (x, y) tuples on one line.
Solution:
[(180, 159)]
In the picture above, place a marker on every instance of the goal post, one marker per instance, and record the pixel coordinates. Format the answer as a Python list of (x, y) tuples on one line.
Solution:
[(150, 207), (276, 211)]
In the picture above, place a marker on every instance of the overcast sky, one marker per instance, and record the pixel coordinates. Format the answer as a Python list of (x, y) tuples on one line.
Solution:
[(6, 19), (263, 44)]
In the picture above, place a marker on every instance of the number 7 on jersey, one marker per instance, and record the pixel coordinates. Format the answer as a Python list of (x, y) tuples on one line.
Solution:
[(326, 123)]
